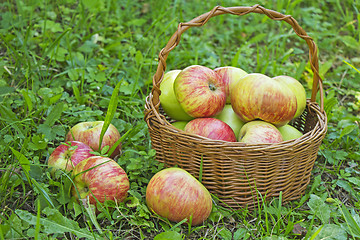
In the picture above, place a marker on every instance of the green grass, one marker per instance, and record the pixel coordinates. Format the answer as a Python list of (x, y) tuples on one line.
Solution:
[(60, 64)]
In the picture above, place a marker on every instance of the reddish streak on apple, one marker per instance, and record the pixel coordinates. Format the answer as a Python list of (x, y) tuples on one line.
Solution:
[(265, 99), (106, 180), (211, 128), (175, 195), (200, 91)]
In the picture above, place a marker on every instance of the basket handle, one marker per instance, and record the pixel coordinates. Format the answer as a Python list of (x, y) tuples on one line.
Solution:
[(219, 10)]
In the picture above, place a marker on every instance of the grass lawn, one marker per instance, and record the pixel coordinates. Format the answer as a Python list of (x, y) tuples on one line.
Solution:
[(67, 62)]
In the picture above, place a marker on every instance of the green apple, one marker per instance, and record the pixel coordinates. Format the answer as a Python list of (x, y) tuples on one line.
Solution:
[(228, 116), (289, 132), (179, 124), (298, 89), (168, 99)]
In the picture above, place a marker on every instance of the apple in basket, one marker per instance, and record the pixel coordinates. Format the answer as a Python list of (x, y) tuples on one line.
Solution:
[(259, 132), (230, 76), (175, 194), (100, 178), (258, 96), (169, 103), (228, 116), (298, 89), (289, 132), (200, 91), (211, 128), (180, 124), (89, 133), (67, 155)]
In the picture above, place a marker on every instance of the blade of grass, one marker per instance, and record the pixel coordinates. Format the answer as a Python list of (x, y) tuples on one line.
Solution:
[(56, 42), (37, 225), (112, 149), (110, 111)]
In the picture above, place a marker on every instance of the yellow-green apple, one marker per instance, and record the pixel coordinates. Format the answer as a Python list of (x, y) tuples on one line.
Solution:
[(230, 76), (228, 116), (100, 178), (89, 133), (67, 155), (175, 194), (298, 90), (289, 132), (258, 96), (200, 91), (259, 132), (169, 103), (180, 124), (211, 128)]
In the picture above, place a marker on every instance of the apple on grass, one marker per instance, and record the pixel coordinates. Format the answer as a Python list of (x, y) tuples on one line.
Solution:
[(89, 133), (169, 103), (200, 91), (258, 96), (259, 132), (230, 76), (67, 155), (175, 194), (211, 128), (298, 89), (100, 178), (289, 132), (228, 116)]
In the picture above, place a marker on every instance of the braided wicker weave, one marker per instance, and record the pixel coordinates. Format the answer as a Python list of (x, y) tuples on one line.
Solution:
[(238, 173)]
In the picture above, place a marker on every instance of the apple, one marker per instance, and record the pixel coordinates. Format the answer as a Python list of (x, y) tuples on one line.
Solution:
[(289, 132), (200, 91), (175, 194), (228, 116), (230, 76), (89, 133), (169, 103), (67, 155), (258, 96), (259, 132), (180, 124), (100, 178), (211, 128), (298, 89)]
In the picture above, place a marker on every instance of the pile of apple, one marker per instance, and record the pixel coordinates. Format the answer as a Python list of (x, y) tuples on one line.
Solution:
[(172, 193), (229, 104), (95, 177)]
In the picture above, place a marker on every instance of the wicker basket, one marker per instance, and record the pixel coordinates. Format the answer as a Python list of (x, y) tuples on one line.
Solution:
[(240, 174)]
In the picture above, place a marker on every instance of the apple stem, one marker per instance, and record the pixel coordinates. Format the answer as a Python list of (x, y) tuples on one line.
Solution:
[(212, 87)]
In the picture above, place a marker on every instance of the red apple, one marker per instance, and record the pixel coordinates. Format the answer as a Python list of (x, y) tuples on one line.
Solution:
[(67, 155), (175, 194), (298, 89), (211, 128), (200, 91), (100, 178), (168, 99), (259, 132), (89, 133), (258, 96), (230, 76), (228, 116)]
